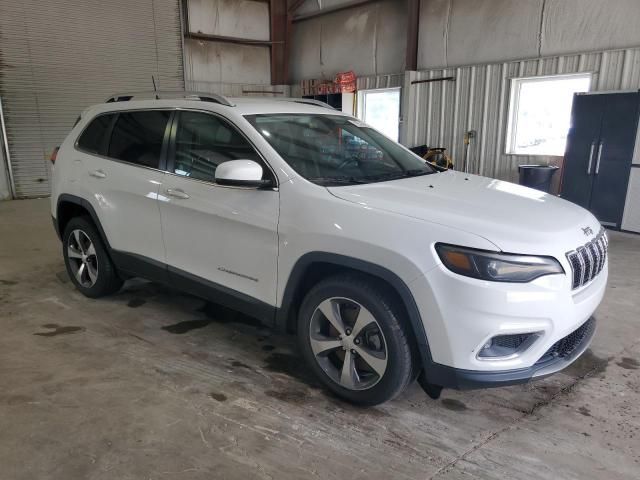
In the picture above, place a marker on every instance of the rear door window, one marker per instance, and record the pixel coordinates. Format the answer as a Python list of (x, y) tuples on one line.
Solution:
[(138, 136), (92, 139)]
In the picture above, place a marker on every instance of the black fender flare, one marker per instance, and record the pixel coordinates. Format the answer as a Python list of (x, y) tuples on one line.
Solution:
[(300, 268), (68, 198)]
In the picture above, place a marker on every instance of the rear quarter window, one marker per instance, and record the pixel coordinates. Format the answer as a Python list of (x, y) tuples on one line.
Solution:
[(92, 139)]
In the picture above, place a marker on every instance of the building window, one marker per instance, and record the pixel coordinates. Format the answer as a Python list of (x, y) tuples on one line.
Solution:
[(381, 109), (540, 113)]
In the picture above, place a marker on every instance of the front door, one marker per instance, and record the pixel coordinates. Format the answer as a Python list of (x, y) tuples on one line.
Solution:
[(221, 242)]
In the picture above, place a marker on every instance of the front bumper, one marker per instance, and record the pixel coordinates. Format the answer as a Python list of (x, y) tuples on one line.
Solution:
[(552, 362), (461, 314)]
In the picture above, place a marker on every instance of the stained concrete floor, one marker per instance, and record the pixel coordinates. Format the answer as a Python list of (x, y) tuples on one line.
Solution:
[(152, 384)]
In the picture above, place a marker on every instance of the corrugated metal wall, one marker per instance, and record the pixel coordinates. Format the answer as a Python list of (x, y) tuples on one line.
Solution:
[(58, 57), (439, 113)]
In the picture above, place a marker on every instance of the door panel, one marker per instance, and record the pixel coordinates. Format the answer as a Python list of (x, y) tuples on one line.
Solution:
[(613, 164), (221, 234), (124, 198), (582, 146)]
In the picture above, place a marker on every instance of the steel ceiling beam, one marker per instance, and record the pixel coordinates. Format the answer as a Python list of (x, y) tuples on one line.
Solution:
[(281, 17), (413, 32)]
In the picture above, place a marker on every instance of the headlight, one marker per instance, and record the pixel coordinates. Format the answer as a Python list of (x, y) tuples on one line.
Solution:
[(495, 266)]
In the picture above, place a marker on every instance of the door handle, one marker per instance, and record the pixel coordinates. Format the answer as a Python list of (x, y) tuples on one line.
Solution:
[(599, 157), (593, 147), (98, 174), (177, 193)]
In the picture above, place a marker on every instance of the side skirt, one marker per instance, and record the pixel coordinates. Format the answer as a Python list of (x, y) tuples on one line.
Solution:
[(139, 266)]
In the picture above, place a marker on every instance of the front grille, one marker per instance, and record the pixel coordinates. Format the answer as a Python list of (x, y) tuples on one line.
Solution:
[(588, 260), (567, 345)]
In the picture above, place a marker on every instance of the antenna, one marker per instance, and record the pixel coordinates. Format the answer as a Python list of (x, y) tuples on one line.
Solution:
[(155, 90)]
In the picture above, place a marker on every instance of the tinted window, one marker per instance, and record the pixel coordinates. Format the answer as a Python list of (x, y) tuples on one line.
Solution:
[(92, 139), (205, 141), (137, 137)]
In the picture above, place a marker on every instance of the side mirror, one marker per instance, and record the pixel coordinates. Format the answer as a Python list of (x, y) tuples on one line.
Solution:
[(241, 173)]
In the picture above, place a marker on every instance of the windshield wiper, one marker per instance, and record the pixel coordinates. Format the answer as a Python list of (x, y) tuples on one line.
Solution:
[(418, 172), (338, 180)]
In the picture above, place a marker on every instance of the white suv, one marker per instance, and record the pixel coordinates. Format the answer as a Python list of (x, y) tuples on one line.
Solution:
[(315, 223)]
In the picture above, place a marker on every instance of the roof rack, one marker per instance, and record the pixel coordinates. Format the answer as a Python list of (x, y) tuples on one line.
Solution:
[(166, 94), (307, 101)]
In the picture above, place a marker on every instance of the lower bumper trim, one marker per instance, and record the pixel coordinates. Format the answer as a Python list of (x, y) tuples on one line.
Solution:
[(450, 377)]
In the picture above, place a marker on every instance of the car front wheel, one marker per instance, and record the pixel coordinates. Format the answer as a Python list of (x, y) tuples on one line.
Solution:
[(351, 335)]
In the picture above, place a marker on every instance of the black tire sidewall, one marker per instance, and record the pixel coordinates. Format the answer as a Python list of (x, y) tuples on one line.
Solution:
[(107, 280), (399, 366)]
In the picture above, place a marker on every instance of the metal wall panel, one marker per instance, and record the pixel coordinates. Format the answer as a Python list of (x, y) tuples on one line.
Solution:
[(58, 57), (439, 113), (240, 89)]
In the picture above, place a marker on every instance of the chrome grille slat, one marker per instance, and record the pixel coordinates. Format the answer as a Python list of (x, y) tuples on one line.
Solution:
[(588, 260)]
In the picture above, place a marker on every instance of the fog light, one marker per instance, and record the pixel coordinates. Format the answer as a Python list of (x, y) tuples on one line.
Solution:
[(502, 346)]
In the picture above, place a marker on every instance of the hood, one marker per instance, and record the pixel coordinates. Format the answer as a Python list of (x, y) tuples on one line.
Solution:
[(516, 219)]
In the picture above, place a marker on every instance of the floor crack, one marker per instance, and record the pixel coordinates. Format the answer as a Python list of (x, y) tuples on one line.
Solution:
[(527, 414)]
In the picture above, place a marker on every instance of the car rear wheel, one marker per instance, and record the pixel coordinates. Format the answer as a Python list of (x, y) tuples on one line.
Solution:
[(88, 264), (351, 335)]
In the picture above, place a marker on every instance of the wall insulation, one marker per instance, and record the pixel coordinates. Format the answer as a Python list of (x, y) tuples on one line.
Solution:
[(225, 62), (439, 113), (465, 32), (368, 39)]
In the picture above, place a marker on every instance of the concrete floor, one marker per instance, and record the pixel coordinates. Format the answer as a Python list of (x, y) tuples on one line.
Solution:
[(148, 384)]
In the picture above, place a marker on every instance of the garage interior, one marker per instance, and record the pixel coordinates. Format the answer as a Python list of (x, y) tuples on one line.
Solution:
[(153, 383)]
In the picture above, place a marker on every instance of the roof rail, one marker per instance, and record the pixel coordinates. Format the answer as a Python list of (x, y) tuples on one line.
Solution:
[(307, 101), (167, 94)]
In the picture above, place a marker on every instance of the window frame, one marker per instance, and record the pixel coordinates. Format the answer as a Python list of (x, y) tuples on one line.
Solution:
[(171, 151), (167, 155), (514, 103), (104, 149)]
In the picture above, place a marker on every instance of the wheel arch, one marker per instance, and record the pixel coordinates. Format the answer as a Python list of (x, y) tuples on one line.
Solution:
[(70, 206), (314, 266)]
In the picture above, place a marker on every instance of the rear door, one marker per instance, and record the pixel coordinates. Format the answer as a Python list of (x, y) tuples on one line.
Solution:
[(218, 238), (120, 161)]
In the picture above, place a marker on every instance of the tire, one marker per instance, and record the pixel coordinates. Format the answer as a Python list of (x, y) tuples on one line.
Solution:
[(88, 264), (376, 346)]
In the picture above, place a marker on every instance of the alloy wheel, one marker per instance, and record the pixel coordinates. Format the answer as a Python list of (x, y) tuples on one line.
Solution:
[(82, 258), (348, 343)]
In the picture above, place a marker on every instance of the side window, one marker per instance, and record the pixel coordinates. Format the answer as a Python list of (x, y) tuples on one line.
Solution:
[(137, 137), (204, 141), (92, 138)]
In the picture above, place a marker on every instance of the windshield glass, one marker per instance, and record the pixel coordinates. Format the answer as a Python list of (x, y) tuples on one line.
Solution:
[(337, 150)]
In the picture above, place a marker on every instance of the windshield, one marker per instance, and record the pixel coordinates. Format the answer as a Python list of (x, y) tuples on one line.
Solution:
[(337, 150)]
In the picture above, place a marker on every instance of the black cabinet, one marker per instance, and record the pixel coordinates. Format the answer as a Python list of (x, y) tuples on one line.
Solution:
[(599, 153)]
